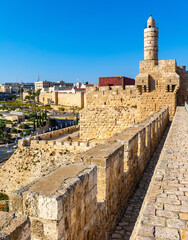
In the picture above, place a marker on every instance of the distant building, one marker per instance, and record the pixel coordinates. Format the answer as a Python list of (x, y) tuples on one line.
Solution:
[(43, 84), (116, 81), (47, 86), (5, 88), (13, 116), (27, 86), (15, 87), (62, 85)]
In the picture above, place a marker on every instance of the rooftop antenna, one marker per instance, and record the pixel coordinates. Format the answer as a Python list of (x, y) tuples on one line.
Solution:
[(38, 77)]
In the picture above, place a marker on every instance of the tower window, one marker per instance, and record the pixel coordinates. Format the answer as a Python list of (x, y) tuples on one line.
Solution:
[(149, 26)]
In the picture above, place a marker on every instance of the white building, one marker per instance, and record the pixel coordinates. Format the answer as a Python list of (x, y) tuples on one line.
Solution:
[(43, 84), (5, 88)]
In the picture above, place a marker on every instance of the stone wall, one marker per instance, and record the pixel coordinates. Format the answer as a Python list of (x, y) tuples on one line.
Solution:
[(155, 100), (48, 98), (120, 164), (61, 205), (111, 96), (109, 110), (157, 75), (70, 99), (83, 200), (183, 91), (64, 145), (61, 99), (49, 135), (14, 227), (160, 84)]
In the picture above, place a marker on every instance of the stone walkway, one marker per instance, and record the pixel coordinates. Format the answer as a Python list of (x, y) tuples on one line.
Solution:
[(124, 228), (164, 213)]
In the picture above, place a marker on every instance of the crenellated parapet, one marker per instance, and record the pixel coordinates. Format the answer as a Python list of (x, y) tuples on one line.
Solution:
[(109, 95)]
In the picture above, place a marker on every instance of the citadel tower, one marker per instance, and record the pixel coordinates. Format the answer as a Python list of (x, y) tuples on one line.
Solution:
[(151, 40)]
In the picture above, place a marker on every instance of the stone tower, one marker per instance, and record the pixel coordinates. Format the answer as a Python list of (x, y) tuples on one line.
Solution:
[(151, 40)]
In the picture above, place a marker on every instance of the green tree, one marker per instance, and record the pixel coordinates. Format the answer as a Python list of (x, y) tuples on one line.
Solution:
[(33, 96), (13, 130), (23, 126), (6, 136), (30, 92), (21, 92), (2, 126), (27, 97)]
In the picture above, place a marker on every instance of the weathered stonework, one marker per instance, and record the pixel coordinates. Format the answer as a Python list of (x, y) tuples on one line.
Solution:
[(56, 202), (109, 110), (14, 227), (79, 196)]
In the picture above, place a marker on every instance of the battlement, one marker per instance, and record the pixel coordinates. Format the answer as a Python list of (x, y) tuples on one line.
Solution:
[(106, 89), (62, 145), (47, 136), (110, 96)]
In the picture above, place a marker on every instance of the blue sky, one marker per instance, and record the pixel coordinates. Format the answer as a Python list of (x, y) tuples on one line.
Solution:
[(84, 39)]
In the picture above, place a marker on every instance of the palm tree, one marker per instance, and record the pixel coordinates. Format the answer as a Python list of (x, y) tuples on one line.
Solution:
[(37, 94), (33, 96), (30, 92)]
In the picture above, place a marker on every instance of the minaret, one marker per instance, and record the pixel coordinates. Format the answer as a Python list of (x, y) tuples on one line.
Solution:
[(151, 40)]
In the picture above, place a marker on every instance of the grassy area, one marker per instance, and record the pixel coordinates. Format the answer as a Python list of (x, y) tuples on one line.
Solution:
[(12, 105)]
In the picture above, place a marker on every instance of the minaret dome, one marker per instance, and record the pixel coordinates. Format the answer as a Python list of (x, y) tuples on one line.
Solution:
[(151, 22)]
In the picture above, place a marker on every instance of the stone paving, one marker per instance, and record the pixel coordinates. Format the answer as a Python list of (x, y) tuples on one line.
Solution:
[(125, 226), (164, 213)]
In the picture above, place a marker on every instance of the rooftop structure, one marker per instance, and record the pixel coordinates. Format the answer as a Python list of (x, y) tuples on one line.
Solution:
[(116, 81)]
